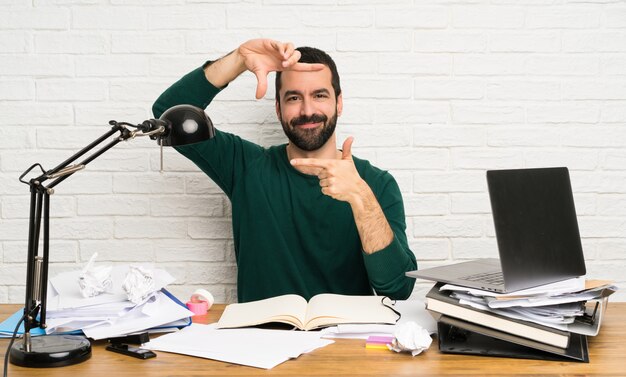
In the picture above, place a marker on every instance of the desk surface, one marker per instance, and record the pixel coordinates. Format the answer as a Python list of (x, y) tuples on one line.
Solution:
[(350, 358)]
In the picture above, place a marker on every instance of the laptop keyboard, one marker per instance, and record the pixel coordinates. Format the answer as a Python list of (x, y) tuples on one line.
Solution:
[(494, 278)]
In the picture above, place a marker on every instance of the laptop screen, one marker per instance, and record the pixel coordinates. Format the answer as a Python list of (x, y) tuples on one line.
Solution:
[(536, 226)]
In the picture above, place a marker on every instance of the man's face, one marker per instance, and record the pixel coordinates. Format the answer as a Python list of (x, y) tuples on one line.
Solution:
[(307, 108)]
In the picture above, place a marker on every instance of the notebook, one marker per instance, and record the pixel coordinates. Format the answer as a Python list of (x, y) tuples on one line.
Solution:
[(536, 231)]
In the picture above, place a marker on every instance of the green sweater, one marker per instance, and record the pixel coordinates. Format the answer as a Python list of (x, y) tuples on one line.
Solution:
[(288, 236)]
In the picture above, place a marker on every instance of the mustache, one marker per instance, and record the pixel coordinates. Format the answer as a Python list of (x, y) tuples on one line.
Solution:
[(304, 119)]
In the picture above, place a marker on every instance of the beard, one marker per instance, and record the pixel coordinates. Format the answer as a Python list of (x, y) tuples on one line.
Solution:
[(313, 138)]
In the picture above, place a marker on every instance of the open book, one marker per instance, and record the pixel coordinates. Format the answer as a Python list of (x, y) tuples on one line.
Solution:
[(322, 310)]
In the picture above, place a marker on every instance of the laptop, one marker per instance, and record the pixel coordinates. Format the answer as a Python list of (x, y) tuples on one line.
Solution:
[(536, 230)]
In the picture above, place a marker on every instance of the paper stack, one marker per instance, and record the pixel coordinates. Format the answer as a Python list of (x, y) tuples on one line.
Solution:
[(254, 347), (547, 322), (108, 314)]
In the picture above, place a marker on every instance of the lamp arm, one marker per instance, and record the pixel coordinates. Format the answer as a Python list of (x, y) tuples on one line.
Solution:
[(179, 125), (37, 266)]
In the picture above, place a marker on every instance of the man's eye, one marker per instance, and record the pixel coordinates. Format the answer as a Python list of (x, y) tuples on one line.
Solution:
[(292, 98)]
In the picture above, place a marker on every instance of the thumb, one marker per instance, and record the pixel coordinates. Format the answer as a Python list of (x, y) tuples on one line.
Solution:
[(261, 86), (346, 151)]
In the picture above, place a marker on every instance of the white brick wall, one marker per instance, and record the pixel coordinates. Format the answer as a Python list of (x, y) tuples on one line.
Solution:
[(436, 91)]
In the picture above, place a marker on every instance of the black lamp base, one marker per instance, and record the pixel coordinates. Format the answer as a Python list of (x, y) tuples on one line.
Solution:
[(51, 351)]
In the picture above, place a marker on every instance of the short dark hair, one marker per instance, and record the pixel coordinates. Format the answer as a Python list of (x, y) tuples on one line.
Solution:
[(314, 55)]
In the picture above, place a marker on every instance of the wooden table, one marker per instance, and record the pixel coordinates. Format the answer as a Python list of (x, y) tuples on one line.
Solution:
[(607, 353)]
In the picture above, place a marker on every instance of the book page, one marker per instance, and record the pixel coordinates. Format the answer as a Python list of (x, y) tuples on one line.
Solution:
[(290, 309), (331, 309)]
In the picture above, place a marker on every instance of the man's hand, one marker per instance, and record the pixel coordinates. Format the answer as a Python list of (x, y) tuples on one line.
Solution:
[(262, 56), (339, 179)]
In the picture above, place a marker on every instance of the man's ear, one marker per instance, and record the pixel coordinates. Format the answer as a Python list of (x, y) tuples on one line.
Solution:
[(339, 104), (277, 110)]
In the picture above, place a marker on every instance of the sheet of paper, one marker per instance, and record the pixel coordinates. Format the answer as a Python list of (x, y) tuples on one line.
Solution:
[(250, 346), (357, 331), (114, 309), (64, 325), (153, 313), (567, 322), (560, 287), (544, 300), (410, 310)]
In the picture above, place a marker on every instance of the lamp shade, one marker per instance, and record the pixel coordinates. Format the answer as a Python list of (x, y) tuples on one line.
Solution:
[(186, 124)]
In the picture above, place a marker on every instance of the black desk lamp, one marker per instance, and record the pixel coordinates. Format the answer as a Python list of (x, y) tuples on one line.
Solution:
[(179, 125)]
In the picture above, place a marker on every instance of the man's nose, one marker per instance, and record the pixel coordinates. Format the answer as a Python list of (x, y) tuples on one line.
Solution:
[(307, 107)]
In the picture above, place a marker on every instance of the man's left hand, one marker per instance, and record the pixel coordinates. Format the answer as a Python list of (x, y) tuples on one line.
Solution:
[(339, 179)]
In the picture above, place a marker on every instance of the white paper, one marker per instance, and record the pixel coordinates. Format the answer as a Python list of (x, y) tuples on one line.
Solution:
[(560, 311), (63, 325), (250, 346), (560, 287), (152, 313), (552, 300), (410, 310), (563, 320), (357, 331), (114, 309)]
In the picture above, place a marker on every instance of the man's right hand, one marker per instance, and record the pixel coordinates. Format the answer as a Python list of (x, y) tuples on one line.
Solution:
[(260, 56)]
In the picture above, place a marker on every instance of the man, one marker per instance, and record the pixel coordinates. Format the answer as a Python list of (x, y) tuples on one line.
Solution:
[(307, 218)]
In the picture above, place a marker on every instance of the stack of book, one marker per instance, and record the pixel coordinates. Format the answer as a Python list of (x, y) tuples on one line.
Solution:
[(543, 324)]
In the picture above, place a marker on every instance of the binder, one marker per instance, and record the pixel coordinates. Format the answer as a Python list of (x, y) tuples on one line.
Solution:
[(461, 337)]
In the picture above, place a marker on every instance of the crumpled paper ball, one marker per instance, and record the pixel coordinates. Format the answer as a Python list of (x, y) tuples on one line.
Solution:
[(139, 284), (411, 337), (94, 280)]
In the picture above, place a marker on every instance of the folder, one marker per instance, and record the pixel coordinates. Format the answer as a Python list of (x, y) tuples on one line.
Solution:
[(461, 337), (8, 326)]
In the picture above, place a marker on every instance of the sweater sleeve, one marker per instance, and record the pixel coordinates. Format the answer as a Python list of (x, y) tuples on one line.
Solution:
[(221, 157), (192, 89), (386, 268)]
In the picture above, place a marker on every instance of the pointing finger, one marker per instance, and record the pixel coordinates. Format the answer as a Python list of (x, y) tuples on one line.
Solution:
[(310, 162)]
